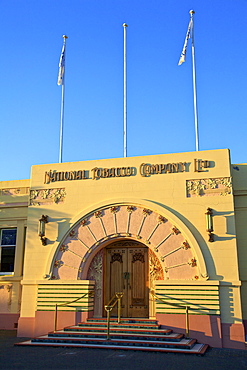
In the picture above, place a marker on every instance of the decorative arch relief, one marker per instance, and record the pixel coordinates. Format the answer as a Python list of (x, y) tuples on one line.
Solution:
[(175, 256)]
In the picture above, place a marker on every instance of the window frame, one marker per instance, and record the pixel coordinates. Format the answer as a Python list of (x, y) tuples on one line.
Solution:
[(7, 246)]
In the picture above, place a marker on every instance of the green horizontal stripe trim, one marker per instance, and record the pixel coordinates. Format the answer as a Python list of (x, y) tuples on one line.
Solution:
[(52, 308), (67, 310), (56, 293), (195, 304), (189, 293), (186, 290), (191, 313), (66, 288), (188, 286), (191, 308), (62, 302), (192, 299), (64, 299), (186, 303)]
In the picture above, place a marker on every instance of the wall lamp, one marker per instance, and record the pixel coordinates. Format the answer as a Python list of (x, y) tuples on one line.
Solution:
[(42, 221), (209, 223)]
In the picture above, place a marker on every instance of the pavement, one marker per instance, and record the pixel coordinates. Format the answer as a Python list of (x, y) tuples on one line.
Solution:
[(46, 358)]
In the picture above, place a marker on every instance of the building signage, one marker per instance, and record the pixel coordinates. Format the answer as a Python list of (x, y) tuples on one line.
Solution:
[(145, 170)]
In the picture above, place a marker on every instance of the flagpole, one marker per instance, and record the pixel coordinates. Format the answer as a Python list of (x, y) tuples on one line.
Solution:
[(192, 12), (62, 103), (125, 90)]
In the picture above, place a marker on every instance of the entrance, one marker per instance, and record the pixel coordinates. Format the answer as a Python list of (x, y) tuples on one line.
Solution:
[(127, 271)]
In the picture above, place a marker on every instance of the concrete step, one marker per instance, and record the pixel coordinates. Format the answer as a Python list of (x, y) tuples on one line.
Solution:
[(80, 334), (125, 320), (120, 325), (184, 343), (196, 349), (130, 334), (117, 329)]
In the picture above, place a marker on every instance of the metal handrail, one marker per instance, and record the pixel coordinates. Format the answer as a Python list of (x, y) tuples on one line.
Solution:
[(187, 329), (116, 299), (89, 294)]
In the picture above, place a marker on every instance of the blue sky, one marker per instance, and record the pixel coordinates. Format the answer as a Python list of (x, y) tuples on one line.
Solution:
[(159, 92)]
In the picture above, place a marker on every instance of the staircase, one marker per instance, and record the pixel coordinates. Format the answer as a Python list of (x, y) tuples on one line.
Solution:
[(130, 334)]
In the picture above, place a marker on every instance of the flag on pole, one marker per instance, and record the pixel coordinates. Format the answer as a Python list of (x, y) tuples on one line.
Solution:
[(61, 67), (188, 35), (61, 81)]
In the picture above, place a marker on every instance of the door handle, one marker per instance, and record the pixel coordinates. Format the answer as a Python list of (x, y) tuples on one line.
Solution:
[(126, 276)]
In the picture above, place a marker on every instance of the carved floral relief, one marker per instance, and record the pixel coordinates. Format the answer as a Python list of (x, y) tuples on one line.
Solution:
[(209, 187), (46, 196)]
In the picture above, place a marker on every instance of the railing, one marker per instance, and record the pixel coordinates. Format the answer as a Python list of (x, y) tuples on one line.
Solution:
[(187, 329), (116, 299), (89, 294)]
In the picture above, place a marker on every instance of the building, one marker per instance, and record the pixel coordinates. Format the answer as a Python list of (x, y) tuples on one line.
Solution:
[(173, 225)]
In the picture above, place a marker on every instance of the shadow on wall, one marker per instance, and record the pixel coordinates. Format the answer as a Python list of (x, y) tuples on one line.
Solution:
[(211, 269), (230, 223), (206, 329), (52, 228)]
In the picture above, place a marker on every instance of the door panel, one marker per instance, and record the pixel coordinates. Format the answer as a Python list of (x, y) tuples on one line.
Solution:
[(116, 266), (127, 271)]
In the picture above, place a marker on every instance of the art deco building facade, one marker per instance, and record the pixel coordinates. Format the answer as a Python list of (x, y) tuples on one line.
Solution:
[(172, 225)]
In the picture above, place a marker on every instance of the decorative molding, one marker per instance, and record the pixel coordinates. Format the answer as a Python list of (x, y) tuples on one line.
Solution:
[(58, 264), (155, 268), (116, 257), (209, 187), (146, 212), (14, 191), (72, 234), (114, 209), (161, 219), (173, 254), (138, 257), (95, 272), (8, 295), (192, 263), (98, 214), (84, 222), (46, 196), (173, 231), (185, 246)]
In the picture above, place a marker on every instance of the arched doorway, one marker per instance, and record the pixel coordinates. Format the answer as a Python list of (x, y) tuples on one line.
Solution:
[(173, 254), (126, 270)]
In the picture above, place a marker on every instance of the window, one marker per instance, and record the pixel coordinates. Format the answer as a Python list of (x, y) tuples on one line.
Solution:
[(7, 250)]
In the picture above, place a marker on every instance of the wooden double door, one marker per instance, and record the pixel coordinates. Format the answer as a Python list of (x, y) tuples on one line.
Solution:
[(126, 270)]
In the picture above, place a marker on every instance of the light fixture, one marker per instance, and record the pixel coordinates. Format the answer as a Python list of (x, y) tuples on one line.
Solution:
[(42, 221), (209, 223)]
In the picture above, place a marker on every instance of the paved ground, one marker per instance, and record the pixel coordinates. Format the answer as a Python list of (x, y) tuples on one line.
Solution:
[(35, 358)]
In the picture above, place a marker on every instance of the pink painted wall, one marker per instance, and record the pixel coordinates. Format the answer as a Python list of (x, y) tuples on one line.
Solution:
[(9, 321), (43, 322), (206, 329)]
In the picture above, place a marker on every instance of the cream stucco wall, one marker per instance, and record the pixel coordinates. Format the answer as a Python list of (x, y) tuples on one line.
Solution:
[(182, 194), (162, 191), (14, 196)]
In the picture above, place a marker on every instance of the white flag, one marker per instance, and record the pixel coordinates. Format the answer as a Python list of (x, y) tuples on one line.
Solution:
[(183, 54), (61, 67)]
